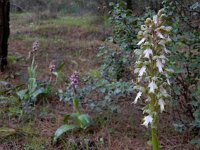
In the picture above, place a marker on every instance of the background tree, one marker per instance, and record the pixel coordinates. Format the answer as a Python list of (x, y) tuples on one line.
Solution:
[(4, 31), (129, 4)]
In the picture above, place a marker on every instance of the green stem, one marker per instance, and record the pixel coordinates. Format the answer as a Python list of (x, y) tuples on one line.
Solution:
[(155, 142), (76, 105), (33, 61)]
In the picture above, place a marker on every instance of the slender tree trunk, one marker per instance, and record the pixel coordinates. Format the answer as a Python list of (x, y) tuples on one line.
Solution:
[(4, 32), (129, 4)]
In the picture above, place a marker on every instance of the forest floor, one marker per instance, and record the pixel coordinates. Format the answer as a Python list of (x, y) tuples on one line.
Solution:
[(73, 40)]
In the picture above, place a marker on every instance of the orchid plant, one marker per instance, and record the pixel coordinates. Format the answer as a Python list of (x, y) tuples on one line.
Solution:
[(152, 70), (81, 121), (35, 89), (29, 95)]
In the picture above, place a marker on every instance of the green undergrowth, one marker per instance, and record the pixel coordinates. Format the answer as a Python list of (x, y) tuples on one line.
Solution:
[(86, 22), (62, 30), (81, 21)]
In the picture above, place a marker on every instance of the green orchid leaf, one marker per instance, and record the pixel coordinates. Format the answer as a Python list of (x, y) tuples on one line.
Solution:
[(66, 118), (22, 94), (85, 120), (32, 84), (38, 92), (74, 115), (60, 67), (63, 129)]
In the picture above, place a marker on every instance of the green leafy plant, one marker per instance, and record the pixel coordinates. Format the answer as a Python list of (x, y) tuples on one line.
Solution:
[(152, 70), (113, 79), (56, 72), (185, 61), (29, 95), (110, 80), (117, 53), (81, 121)]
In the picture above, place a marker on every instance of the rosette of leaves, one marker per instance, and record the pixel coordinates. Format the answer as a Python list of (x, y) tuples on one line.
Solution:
[(80, 121), (152, 70)]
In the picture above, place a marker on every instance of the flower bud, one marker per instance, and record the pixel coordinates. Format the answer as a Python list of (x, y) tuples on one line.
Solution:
[(147, 43), (143, 27), (160, 12), (148, 21), (163, 17), (140, 35), (146, 33), (168, 29)]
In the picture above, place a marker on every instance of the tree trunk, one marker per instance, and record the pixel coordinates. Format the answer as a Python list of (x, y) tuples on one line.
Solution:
[(129, 4), (4, 32)]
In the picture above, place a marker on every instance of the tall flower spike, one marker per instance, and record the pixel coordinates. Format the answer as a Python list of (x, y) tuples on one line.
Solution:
[(151, 70)]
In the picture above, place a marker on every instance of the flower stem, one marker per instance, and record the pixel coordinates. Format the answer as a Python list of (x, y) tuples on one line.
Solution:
[(76, 105), (155, 142)]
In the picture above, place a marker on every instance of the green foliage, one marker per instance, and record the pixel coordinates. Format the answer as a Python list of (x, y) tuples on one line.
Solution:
[(118, 55), (123, 25), (114, 78), (196, 142), (59, 76), (110, 89), (29, 96), (54, 6), (102, 87), (94, 83), (81, 121), (185, 61), (63, 129)]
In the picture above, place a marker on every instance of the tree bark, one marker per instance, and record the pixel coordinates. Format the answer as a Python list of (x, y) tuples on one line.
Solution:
[(4, 32), (129, 4)]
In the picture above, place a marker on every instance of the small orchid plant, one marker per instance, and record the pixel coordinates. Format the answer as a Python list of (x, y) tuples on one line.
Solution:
[(29, 95), (81, 121), (151, 70)]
